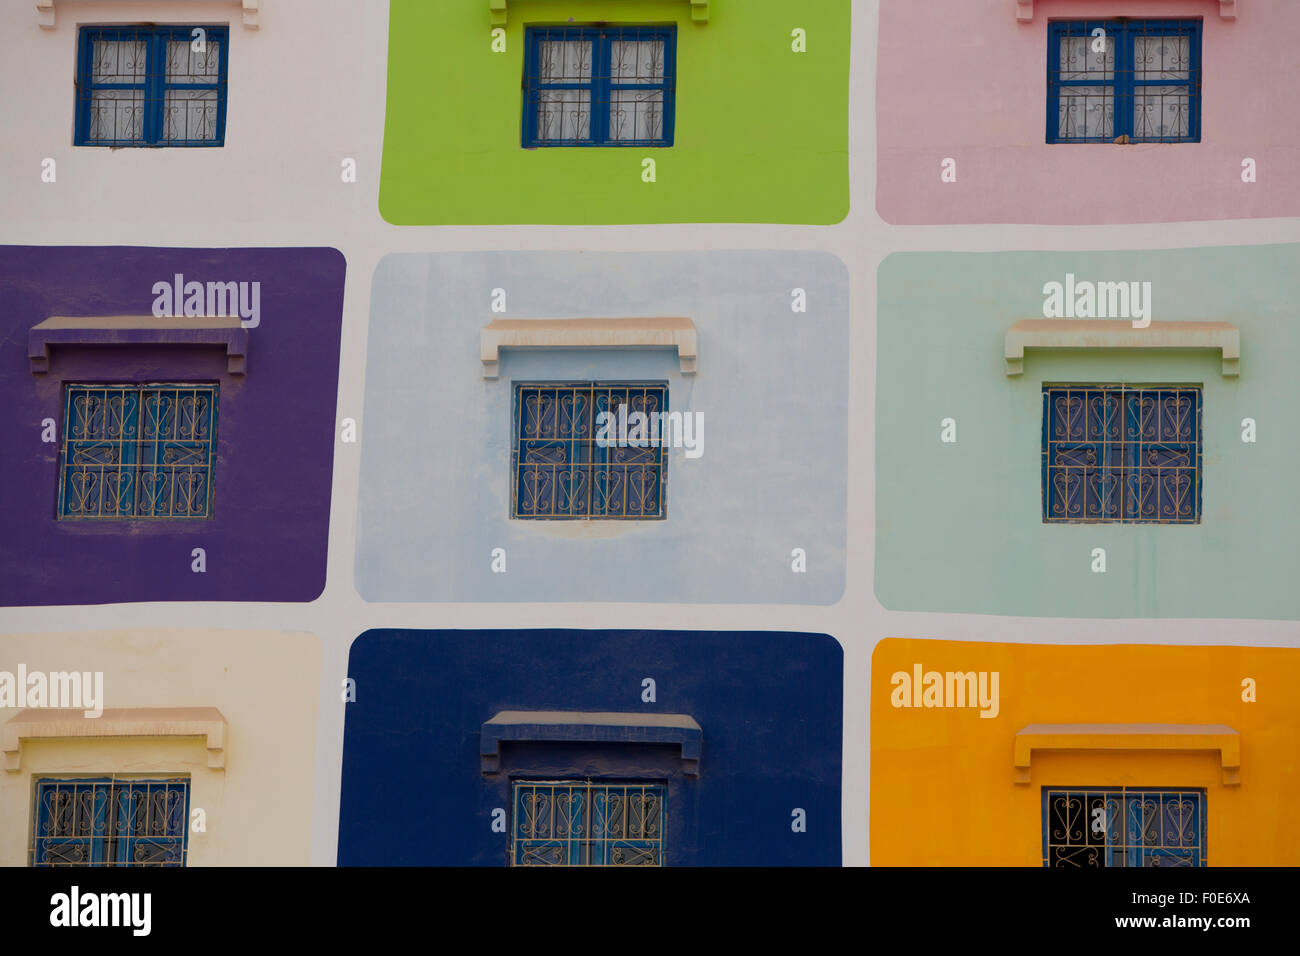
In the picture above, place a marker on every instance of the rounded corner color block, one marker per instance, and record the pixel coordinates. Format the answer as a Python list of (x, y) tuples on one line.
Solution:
[(733, 730), (744, 147), (747, 336), (959, 481), (228, 715), (884, 647), (256, 331), (1018, 729), (986, 158)]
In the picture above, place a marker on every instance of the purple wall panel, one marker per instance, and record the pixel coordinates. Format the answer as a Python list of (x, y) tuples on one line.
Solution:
[(267, 538)]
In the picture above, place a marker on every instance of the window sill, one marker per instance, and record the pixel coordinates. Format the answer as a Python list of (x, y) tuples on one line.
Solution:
[(47, 10), (114, 147), (587, 528), (1120, 334), (547, 726), (1149, 737), (662, 333), (535, 147), (40, 722), (1186, 141), (1025, 10)]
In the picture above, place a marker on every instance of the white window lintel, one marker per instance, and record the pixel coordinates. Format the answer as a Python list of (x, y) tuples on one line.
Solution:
[(500, 12), (664, 333), (45, 722), (1169, 738), (1025, 10), (46, 11), (1120, 334)]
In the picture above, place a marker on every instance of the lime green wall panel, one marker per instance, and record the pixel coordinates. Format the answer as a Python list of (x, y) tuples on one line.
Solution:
[(761, 132)]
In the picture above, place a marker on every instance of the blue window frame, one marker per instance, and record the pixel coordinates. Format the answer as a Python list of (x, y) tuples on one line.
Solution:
[(563, 466), (107, 821), (149, 86), (599, 86), (1139, 79), (1095, 827), (1120, 453), (586, 823), (138, 451)]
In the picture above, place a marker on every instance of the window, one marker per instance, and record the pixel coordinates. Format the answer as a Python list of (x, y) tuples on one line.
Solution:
[(570, 823), (1123, 826), (151, 86), (606, 86), (570, 459), (1139, 79), (111, 822), (1122, 453), (138, 451)]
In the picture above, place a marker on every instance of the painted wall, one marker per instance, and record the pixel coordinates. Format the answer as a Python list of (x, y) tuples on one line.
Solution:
[(266, 539), (942, 780), (280, 167), (769, 705), (963, 79), (772, 387), (959, 526), (265, 683), (761, 132)]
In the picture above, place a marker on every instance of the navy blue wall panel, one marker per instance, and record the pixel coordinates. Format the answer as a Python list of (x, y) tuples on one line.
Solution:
[(769, 704)]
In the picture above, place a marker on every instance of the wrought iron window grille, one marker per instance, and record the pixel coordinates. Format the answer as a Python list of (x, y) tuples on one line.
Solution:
[(137, 451), (110, 821), (599, 86), (1137, 81), (1095, 827), (586, 823), (151, 86), (559, 469), (1119, 453)]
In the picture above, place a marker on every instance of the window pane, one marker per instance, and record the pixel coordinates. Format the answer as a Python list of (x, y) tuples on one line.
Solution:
[(634, 115), (1086, 112), (554, 452), (185, 65), (627, 484), (564, 61), (563, 823), (637, 61), (564, 115), (142, 66), (1162, 58), (1164, 432), (1114, 453), (190, 115), (1161, 112), (110, 823), (1080, 62), (138, 451), (116, 115), (1084, 457), (176, 450), (150, 824), (1122, 827), (119, 61), (573, 459), (99, 453)]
